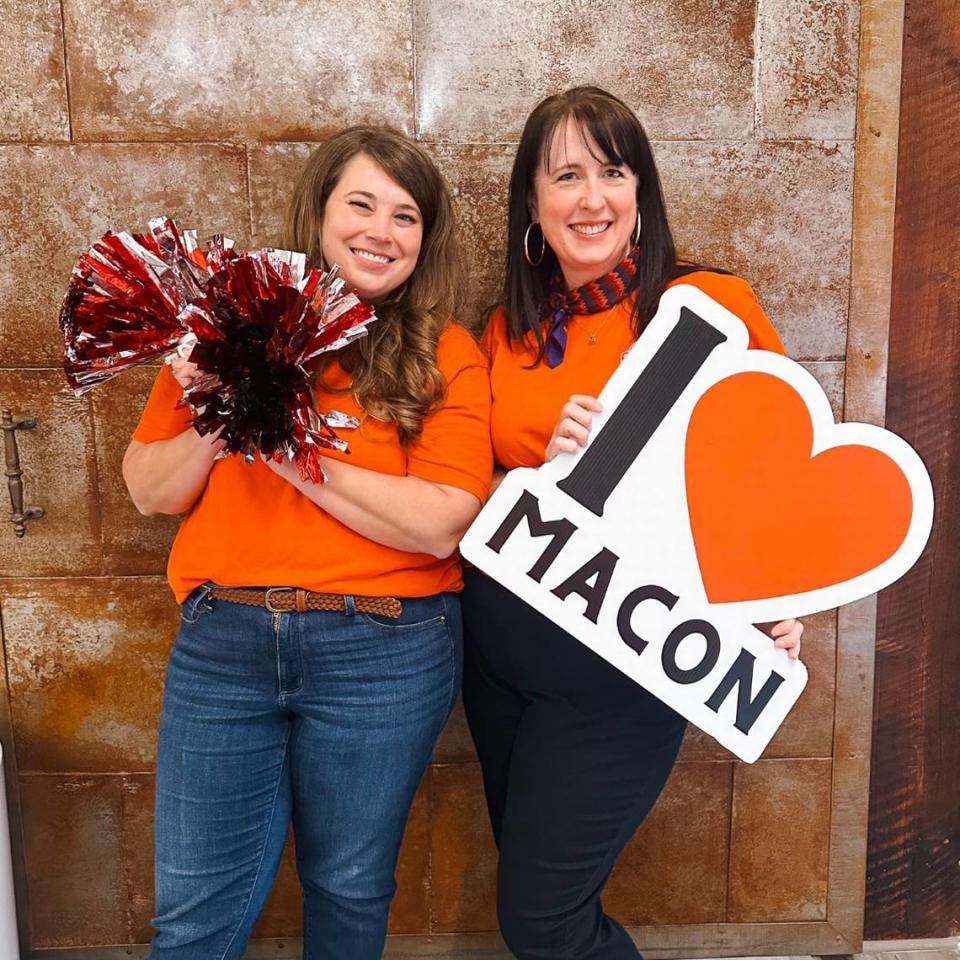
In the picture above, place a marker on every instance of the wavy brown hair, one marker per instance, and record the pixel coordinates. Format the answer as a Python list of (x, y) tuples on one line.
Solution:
[(393, 369)]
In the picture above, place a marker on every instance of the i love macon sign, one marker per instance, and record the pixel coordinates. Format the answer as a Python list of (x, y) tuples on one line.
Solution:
[(716, 492)]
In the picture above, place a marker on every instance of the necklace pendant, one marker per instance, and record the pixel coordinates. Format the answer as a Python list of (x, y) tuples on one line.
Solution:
[(593, 339)]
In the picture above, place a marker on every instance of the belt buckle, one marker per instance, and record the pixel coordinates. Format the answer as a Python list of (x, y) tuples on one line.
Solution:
[(268, 603)]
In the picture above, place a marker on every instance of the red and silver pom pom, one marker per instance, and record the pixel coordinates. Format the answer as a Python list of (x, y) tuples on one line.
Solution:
[(251, 322)]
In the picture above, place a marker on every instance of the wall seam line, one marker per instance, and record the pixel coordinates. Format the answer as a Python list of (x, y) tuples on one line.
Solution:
[(415, 125), (757, 70), (66, 71)]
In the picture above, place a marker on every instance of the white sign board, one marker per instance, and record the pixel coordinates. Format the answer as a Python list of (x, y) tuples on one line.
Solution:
[(715, 492)]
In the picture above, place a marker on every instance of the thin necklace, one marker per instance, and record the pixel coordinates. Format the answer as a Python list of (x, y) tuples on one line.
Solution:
[(591, 334)]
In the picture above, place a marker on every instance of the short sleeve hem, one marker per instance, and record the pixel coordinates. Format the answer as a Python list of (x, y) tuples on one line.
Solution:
[(452, 477), (162, 419)]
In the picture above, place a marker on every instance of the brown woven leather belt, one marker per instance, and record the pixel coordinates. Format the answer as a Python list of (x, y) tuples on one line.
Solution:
[(293, 599)]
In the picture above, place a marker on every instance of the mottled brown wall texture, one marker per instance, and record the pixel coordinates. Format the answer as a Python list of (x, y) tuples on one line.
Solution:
[(112, 112)]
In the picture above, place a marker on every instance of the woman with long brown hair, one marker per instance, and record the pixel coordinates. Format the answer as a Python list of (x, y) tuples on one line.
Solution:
[(574, 753), (319, 650)]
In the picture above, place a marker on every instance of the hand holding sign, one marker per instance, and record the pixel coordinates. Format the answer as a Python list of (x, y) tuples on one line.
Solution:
[(657, 544)]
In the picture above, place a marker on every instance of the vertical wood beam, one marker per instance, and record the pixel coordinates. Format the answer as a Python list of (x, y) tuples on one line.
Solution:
[(875, 173), (913, 881)]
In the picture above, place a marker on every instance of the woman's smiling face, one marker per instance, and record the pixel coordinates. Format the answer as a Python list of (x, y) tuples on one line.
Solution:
[(372, 228), (585, 205)]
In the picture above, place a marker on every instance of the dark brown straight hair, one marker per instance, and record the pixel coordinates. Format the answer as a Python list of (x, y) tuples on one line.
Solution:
[(393, 369), (621, 138)]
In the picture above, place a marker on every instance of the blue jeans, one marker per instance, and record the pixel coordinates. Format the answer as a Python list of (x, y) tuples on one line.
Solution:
[(325, 719)]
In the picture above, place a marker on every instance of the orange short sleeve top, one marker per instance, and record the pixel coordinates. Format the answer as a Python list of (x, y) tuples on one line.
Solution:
[(250, 527), (527, 400)]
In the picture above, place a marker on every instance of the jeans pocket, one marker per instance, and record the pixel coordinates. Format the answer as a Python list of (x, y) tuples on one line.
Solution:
[(417, 613), (429, 630), (197, 604), (393, 624)]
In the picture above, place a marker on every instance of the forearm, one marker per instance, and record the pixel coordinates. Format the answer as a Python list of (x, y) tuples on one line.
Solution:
[(406, 513), (167, 476)]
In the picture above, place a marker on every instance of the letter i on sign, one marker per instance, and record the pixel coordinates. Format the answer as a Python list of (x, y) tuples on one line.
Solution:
[(641, 411)]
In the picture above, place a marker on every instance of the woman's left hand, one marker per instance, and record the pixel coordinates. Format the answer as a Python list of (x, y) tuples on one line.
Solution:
[(786, 635), (573, 428)]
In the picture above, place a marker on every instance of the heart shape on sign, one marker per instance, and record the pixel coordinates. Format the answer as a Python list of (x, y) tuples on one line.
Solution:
[(769, 517)]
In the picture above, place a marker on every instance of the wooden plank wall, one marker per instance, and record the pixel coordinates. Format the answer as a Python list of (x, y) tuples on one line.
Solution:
[(913, 873)]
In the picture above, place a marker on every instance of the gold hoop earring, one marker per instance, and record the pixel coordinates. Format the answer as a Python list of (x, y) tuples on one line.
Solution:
[(636, 231), (526, 246)]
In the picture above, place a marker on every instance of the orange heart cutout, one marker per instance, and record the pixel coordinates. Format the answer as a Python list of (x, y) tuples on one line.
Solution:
[(770, 520)]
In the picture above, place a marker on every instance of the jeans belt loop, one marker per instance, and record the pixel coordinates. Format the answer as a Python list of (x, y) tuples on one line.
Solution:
[(349, 605)]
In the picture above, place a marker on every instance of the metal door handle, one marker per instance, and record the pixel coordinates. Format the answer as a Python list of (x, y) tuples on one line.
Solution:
[(19, 515)]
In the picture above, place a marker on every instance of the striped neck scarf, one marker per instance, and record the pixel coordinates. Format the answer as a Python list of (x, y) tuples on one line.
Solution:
[(593, 297)]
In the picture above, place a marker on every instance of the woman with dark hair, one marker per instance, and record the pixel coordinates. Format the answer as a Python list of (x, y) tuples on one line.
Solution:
[(319, 649), (574, 753)]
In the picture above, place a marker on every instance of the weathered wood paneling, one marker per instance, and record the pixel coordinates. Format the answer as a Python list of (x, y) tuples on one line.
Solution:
[(913, 877)]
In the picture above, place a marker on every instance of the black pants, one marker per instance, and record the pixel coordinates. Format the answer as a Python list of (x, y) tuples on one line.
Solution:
[(574, 755)]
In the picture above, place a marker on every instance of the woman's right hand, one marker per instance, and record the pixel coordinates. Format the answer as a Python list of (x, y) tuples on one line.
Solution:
[(184, 372), (573, 428)]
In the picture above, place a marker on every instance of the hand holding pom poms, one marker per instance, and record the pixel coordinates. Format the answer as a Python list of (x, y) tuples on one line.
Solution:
[(255, 334), (253, 321)]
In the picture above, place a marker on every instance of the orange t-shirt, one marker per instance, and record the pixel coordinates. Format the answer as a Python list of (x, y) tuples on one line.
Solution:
[(250, 527), (527, 400)]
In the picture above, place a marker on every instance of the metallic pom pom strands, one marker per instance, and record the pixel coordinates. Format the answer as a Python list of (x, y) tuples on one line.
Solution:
[(251, 322)]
